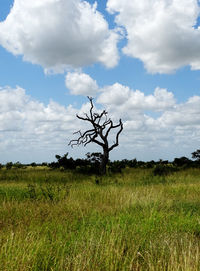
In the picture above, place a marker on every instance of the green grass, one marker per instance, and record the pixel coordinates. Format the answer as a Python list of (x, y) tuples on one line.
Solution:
[(57, 221)]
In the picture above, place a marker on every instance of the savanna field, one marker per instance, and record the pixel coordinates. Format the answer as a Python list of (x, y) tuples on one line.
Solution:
[(52, 220)]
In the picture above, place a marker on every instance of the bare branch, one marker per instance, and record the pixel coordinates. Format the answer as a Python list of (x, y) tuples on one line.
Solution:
[(81, 118), (92, 106), (117, 136)]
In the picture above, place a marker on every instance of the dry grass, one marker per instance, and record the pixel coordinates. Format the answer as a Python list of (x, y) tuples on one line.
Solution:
[(133, 221)]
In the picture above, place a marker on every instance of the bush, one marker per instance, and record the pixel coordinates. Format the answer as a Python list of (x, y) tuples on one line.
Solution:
[(163, 170), (9, 165), (182, 161), (18, 165)]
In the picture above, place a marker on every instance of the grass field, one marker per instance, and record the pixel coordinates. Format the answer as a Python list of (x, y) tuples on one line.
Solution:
[(55, 221)]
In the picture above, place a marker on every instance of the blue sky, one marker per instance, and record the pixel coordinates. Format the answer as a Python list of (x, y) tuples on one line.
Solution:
[(143, 53)]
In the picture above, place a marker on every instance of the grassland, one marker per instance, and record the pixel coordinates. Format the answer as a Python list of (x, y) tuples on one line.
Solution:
[(54, 220)]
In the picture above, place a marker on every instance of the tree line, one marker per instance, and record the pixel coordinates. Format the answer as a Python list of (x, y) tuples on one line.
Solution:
[(92, 164)]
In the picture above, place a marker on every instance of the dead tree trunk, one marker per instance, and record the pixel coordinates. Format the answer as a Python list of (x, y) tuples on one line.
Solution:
[(101, 127), (104, 161)]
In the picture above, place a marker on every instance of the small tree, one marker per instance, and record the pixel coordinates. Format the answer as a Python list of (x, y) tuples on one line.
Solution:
[(17, 165), (64, 162), (9, 165), (94, 161), (101, 127), (196, 155)]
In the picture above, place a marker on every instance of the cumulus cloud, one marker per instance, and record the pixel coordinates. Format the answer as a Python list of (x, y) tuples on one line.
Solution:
[(125, 101), (81, 84), (161, 33), (59, 34), (154, 125), (31, 129), (184, 115), (20, 112)]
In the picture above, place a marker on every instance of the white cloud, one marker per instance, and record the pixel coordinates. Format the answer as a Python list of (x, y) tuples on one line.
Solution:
[(125, 101), (161, 33), (155, 126), (81, 84), (19, 112), (30, 130), (59, 34), (185, 115)]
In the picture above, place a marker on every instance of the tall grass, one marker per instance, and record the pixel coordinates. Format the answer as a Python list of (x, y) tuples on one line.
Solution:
[(52, 220)]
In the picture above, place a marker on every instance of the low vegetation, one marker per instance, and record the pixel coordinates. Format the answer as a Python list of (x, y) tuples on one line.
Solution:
[(139, 219)]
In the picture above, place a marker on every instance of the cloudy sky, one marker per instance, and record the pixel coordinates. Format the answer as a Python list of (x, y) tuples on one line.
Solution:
[(140, 60)]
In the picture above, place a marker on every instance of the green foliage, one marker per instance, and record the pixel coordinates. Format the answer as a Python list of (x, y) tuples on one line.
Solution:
[(196, 155), (9, 165), (163, 170), (18, 165), (64, 162), (61, 220), (182, 162)]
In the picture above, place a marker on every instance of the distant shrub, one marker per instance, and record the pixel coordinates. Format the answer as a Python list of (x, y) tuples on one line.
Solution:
[(9, 165), (163, 170), (63, 162), (132, 163), (182, 161), (150, 164), (94, 162), (117, 166), (17, 165)]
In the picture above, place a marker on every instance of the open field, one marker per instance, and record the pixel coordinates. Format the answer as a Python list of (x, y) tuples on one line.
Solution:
[(58, 220)]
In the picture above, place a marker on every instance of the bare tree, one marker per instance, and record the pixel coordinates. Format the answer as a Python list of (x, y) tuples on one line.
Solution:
[(99, 132)]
